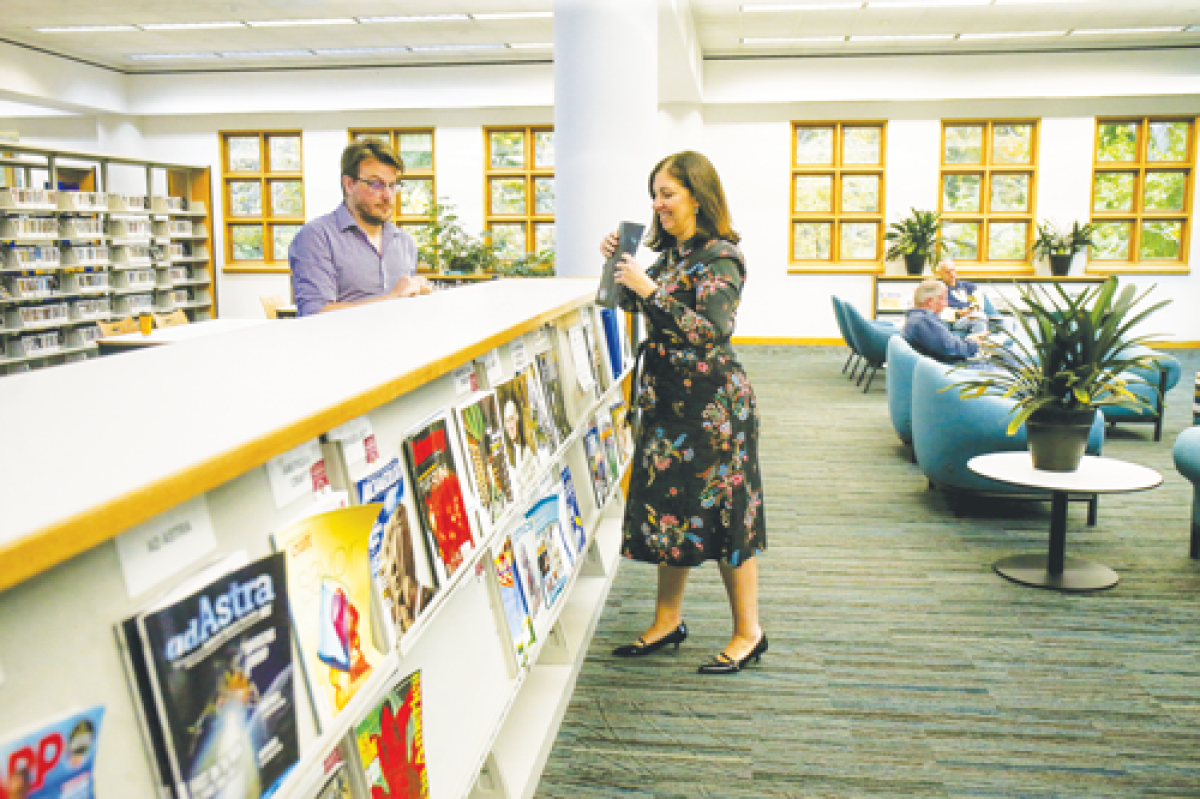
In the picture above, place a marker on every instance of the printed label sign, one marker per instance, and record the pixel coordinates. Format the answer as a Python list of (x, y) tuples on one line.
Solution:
[(294, 474), (165, 545)]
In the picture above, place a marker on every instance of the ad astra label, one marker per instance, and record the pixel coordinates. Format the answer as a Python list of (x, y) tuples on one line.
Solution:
[(213, 616)]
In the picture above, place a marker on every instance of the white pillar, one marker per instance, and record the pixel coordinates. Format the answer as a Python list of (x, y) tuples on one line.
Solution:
[(605, 112)]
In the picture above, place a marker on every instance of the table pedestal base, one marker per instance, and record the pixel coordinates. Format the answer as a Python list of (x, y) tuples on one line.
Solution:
[(1077, 574)]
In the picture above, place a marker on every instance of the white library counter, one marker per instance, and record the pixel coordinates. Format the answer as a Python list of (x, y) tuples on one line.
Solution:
[(96, 448)]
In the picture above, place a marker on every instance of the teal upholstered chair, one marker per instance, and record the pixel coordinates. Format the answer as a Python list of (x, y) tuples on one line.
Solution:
[(870, 341), (947, 431), (1187, 461), (1159, 381), (902, 359)]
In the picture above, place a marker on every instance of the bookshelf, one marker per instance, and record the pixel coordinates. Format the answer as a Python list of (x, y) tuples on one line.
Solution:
[(74, 252), (253, 395)]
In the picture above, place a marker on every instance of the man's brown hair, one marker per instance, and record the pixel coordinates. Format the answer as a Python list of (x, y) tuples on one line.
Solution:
[(366, 149)]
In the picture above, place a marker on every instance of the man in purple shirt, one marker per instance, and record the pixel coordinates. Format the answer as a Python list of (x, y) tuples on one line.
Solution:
[(356, 255)]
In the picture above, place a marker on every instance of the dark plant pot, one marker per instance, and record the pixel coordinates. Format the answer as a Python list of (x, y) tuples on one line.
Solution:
[(1057, 439), (1060, 265), (460, 266), (914, 262)]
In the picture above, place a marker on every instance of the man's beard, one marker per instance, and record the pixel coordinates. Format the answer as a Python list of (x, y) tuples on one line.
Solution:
[(369, 216)]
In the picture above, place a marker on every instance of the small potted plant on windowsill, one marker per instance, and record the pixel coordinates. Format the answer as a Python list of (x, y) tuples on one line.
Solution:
[(916, 239), (1059, 245), (1076, 357)]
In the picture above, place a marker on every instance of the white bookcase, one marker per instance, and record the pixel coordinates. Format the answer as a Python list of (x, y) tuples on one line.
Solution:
[(489, 723), (62, 234)]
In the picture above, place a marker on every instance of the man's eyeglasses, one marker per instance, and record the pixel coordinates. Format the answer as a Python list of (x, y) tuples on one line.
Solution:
[(378, 186)]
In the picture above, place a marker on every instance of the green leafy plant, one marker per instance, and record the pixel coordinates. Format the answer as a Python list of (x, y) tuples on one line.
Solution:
[(917, 234), (540, 264), (1077, 353), (1053, 240), (446, 247)]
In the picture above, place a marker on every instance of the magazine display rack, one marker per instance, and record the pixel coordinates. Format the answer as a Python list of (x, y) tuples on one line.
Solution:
[(60, 233), (67, 568)]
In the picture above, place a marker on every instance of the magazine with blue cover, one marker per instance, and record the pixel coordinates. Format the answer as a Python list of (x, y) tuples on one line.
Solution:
[(554, 562), (569, 511), (217, 661), (57, 761), (512, 596)]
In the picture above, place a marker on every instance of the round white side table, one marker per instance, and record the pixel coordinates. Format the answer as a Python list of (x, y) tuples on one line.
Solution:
[(1096, 475)]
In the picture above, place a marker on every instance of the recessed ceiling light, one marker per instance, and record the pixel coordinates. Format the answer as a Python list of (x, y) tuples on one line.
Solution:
[(751, 8), (792, 39), (1011, 35), (531, 45), (414, 18), (904, 37), (515, 15), (169, 56), (284, 23), (360, 50), (1034, 2), (926, 4), (88, 29), (266, 54), (187, 26), (432, 47), (1114, 31)]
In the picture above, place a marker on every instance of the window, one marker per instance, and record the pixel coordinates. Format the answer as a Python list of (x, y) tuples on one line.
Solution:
[(986, 192), (1141, 192), (519, 189), (837, 195), (263, 188), (418, 187)]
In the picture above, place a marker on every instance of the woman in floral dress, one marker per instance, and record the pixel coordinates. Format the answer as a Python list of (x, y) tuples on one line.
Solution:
[(695, 493)]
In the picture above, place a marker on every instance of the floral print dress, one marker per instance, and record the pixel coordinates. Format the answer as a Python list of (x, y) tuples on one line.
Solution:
[(695, 493)]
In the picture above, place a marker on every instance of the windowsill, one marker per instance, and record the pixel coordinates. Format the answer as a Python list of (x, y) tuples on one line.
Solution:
[(256, 267), (1101, 268), (827, 268)]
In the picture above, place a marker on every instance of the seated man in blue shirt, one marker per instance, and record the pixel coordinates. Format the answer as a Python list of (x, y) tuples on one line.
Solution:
[(356, 255), (928, 334), (962, 301)]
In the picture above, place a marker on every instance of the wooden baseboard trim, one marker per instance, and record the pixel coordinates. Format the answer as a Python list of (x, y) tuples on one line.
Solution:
[(804, 342)]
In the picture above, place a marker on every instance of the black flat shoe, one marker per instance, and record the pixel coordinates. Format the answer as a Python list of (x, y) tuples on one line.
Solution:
[(637, 650), (723, 664)]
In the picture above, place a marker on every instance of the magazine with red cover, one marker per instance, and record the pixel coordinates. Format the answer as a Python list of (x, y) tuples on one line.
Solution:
[(444, 503), (391, 744)]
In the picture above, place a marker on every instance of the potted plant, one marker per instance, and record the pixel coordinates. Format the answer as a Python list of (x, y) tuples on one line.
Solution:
[(1075, 358), (539, 264), (1060, 245), (916, 239)]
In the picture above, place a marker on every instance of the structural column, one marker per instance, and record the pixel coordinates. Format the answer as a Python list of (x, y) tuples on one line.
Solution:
[(605, 113)]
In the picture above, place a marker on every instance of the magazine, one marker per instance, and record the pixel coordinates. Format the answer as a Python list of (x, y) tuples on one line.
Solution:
[(442, 503), (546, 437), (391, 744), (512, 596), (212, 665), (402, 574), (594, 451), (337, 784), (56, 760), (572, 517), (612, 459), (552, 387), (617, 343), (598, 362), (528, 574), (621, 429), (553, 558), (512, 397), (329, 571), (483, 444)]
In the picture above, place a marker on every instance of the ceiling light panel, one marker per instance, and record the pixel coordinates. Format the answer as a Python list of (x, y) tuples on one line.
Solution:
[(170, 56), (447, 47), (360, 50), (881, 6), (792, 39), (531, 46), (752, 8), (1010, 35), (905, 37), (266, 54), (1124, 31), (514, 15), (189, 26), (88, 29), (287, 23), (414, 18)]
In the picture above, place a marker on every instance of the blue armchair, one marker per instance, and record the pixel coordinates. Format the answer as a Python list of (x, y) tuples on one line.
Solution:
[(1161, 379), (839, 313), (902, 359), (870, 340), (1187, 461), (948, 431)]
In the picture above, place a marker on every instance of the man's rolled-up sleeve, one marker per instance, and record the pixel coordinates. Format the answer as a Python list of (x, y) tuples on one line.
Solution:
[(314, 278)]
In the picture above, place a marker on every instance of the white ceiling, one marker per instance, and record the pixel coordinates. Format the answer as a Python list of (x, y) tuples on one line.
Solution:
[(721, 26)]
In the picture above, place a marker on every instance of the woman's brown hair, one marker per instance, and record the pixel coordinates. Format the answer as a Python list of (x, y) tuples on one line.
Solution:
[(696, 174)]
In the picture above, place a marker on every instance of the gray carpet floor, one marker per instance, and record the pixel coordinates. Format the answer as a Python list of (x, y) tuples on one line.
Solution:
[(900, 664)]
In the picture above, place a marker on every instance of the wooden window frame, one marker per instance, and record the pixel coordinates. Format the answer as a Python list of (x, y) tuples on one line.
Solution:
[(835, 216), (271, 262), (406, 221), (530, 172), (983, 264), (1139, 167)]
